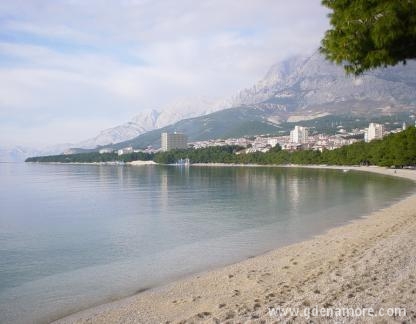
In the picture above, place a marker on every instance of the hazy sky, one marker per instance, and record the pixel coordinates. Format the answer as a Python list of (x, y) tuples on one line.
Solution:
[(70, 68)]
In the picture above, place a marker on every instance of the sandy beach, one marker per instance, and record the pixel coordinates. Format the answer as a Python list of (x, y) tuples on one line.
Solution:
[(368, 265), (139, 163)]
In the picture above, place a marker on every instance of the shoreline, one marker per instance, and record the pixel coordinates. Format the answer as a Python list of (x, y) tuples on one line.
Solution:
[(369, 261), (136, 163)]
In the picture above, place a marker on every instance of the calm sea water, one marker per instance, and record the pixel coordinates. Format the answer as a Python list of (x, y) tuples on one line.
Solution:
[(73, 236)]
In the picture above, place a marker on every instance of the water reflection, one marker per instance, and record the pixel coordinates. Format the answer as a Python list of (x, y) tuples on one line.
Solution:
[(62, 225)]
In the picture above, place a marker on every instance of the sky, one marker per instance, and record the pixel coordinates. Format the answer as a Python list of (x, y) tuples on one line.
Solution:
[(70, 68)]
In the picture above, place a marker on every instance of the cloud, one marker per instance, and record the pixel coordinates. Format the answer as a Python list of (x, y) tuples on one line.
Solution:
[(56, 32), (39, 135), (93, 60)]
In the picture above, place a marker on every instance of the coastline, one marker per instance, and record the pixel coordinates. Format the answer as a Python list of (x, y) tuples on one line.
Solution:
[(136, 163), (368, 262)]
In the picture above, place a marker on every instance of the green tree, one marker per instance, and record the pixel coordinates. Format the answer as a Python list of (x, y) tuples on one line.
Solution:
[(367, 34)]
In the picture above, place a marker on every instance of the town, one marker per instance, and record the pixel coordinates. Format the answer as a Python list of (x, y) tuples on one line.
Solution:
[(300, 138)]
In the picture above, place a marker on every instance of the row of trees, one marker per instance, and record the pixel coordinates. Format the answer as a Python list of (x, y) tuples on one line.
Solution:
[(92, 157), (396, 149)]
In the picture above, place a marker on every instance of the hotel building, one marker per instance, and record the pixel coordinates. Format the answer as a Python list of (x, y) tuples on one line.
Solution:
[(299, 135), (171, 141), (374, 131)]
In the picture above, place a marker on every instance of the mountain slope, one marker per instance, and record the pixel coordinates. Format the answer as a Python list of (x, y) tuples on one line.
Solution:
[(315, 85), (148, 120), (15, 154), (296, 89), (233, 122), (300, 89), (299, 86), (143, 122)]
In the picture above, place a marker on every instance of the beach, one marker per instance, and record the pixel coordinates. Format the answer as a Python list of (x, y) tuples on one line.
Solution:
[(368, 264)]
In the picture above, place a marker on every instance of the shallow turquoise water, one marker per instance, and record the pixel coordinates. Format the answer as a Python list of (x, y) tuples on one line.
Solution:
[(73, 236)]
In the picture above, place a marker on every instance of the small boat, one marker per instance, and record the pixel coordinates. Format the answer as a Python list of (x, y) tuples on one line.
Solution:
[(345, 170)]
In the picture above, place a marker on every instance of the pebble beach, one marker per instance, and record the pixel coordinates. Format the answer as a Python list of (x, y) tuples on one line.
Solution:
[(368, 264)]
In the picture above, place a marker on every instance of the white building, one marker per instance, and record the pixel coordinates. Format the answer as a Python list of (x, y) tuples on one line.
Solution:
[(374, 131), (106, 150), (126, 150), (171, 141), (299, 135), (272, 141)]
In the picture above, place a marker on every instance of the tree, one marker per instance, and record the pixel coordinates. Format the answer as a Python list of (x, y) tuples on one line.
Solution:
[(367, 34)]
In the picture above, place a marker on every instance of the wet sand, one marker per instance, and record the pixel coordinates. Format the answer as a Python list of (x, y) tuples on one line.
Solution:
[(368, 263)]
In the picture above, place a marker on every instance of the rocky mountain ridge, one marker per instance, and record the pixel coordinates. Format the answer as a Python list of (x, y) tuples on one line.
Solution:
[(298, 88), (314, 86)]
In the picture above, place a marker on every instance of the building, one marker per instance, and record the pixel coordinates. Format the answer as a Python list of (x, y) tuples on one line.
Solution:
[(374, 131), (272, 141), (171, 141), (299, 135), (126, 150), (106, 150)]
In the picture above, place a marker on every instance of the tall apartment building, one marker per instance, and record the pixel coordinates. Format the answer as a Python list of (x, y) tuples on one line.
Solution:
[(374, 131), (299, 135), (171, 141)]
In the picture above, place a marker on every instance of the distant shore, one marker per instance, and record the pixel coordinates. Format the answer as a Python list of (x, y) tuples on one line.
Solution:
[(368, 263), (137, 162)]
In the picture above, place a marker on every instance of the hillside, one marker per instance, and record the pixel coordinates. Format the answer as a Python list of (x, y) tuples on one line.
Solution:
[(150, 119), (293, 91), (300, 89), (248, 121), (311, 86), (234, 122)]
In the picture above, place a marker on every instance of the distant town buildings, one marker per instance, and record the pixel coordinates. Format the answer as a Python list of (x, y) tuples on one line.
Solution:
[(374, 131), (263, 143), (299, 135), (125, 150), (272, 141), (301, 138), (171, 141), (106, 150)]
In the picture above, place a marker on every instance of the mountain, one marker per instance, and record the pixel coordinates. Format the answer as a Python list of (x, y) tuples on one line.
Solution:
[(15, 154), (232, 122), (294, 90), (313, 86), (20, 153), (148, 120), (143, 122), (299, 89)]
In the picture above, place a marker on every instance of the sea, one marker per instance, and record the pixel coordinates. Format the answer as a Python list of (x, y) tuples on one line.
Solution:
[(73, 236)]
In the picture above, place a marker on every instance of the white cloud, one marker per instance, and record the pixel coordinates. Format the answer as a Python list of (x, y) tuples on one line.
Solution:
[(54, 131), (52, 31), (92, 60)]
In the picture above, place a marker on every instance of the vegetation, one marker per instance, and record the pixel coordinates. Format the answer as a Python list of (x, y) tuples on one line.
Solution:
[(370, 34), (395, 149), (213, 154), (92, 157)]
